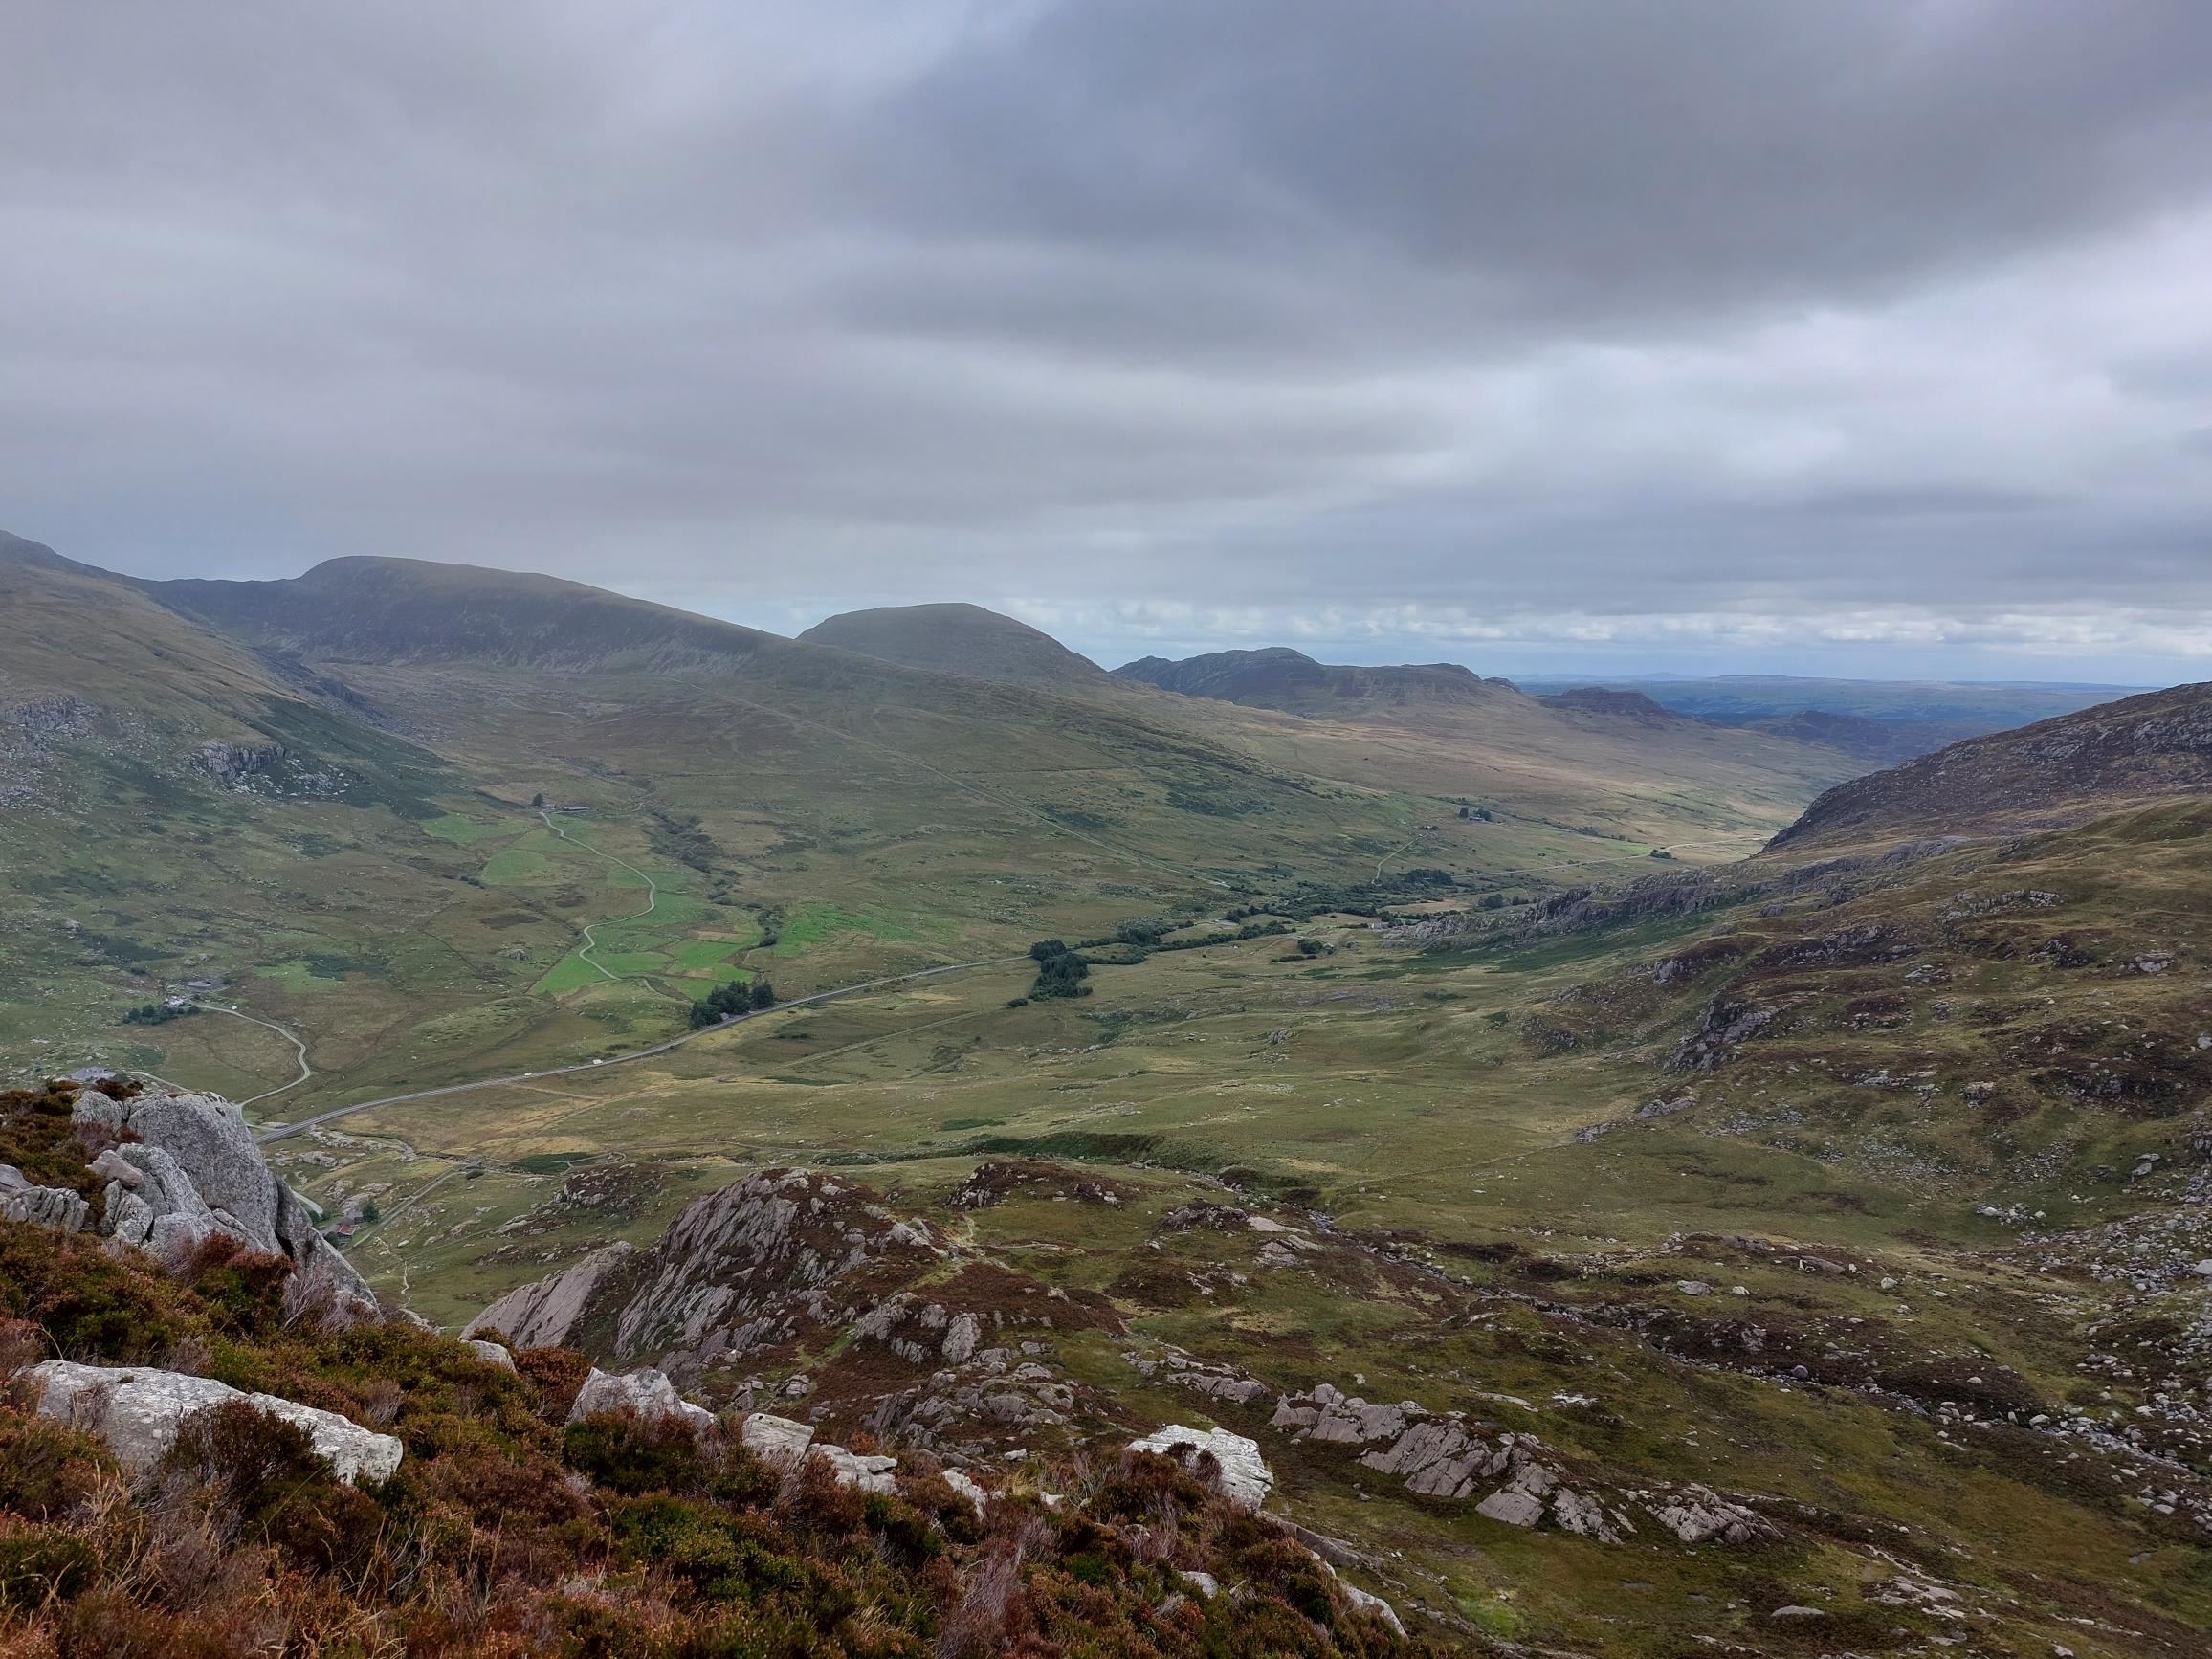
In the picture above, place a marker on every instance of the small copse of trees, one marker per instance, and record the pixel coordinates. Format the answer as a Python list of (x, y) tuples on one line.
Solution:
[(157, 1013), (726, 1001), (1060, 971)]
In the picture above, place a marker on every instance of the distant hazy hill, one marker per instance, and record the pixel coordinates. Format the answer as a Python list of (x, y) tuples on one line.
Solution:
[(1632, 705), (962, 639), (1883, 721), (2053, 772), (1278, 678)]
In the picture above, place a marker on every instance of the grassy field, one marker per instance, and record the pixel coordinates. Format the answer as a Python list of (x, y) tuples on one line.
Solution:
[(1484, 1244)]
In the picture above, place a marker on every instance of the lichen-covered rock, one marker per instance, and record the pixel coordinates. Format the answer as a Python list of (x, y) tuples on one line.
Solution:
[(870, 1472), (194, 1171), (53, 1207), (490, 1353), (1246, 1479), (139, 1410), (969, 1488), (1368, 1603), (776, 1441), (645, 1391)]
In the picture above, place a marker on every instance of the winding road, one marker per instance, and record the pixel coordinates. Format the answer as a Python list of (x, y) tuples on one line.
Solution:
[(590, 936), (281, 1130), (293, 1037)]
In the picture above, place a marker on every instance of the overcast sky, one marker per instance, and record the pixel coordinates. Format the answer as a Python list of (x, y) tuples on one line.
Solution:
[(1866, 336)]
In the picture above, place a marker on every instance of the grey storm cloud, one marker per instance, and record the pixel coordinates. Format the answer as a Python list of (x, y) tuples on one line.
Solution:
[(1396, 323)]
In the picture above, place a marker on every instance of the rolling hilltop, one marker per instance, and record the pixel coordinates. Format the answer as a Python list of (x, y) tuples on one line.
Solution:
[(1278, 678), (1882, 721), (961, 639), (318, 795)]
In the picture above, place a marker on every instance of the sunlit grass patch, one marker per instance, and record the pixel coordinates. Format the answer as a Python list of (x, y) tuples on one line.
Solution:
[(570, 973), (464, 831)]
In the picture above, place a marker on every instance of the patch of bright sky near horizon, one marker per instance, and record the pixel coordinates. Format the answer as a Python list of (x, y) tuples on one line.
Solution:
[(1859, 340)]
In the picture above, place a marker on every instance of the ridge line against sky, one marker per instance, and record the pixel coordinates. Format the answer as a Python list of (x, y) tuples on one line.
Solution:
[(1857, 340)]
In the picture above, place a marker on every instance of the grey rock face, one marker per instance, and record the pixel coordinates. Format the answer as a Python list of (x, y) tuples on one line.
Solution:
[(1246, 1479), (139, 1411), (740, 1270), (645, 1391), (54, 1207), (545, 1312), (490, 1353), (193, 1172)]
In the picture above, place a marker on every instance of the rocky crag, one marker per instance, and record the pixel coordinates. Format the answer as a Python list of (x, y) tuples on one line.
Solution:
[(174, 1171)]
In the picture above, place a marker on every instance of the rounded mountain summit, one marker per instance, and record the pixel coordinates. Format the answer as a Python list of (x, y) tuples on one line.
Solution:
[(962, 639)]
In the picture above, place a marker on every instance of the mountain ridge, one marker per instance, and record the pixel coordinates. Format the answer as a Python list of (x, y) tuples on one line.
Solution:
[(2053, 772)]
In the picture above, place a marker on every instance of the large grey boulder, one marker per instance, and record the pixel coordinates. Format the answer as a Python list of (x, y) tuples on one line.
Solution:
[(490, 1353), (56, 1207), (647, 1392), (778, 1442), (1246, 1479), (139, 1411), (194, 1171)]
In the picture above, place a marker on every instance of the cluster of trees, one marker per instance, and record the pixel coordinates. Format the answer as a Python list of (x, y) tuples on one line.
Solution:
[(684, 840), (157, 1013), (1060, 971), (728, 1001)]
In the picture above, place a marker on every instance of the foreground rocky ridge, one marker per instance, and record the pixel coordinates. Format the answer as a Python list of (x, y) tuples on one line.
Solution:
[(196, 1473)]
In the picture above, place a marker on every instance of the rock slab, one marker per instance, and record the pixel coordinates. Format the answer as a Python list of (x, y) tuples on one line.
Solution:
[(1246, 1479), (139, 1410)]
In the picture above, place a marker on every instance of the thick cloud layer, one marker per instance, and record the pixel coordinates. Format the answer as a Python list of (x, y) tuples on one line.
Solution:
[(1520, 332)]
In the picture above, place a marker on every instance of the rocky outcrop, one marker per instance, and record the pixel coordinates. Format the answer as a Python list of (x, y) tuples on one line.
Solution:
[(1246, 1479), (869, 1472), (548, 1313), (139, 1411), (184, 1167), (1698, 1515), (746, 1269), (1723, 1024), (53, 1207), (780, 1442), (646, 1393), (1514, 1477)]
